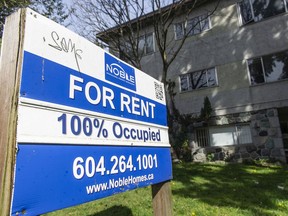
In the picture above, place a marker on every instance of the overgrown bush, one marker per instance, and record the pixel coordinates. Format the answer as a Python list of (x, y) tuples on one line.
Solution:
[(180, 145), (179, 123), (210, 157)]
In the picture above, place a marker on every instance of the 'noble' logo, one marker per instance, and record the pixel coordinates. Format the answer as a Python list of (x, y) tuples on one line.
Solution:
[(119, 73)]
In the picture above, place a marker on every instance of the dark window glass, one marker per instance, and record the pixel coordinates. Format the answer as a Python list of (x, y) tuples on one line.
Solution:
[(269, 68), (246, 11), (145, 44), (256, 10), (179, 31), (149, 44), (184, 83), (211, 77), (141, 45), (275, 66), (198, 79), (204, 21), (256, 71), (193, 26), (266, 8)]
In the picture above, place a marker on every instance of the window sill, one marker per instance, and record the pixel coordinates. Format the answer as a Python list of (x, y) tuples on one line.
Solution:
[(263, 20), (194, 35), (196, 90), (269, 83)]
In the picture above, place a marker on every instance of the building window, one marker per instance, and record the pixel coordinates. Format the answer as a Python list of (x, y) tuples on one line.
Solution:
[(192, 26), (199, 79), (222, 136), (202, 137), (146, 44), (269, 68), (231, 135), (257, 10), (125, 49)]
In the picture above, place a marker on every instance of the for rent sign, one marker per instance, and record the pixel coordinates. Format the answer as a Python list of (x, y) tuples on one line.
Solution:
[(89, 125)]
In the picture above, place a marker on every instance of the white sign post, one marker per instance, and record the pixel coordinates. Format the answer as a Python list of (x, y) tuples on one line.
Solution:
[(77, 123)]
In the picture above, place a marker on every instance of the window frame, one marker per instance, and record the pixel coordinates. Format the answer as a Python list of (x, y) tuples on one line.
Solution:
[(253, 20), (185, 23), (249, 73), (175, 31), (263, 69), (189, 80), (203, 135), (145, 36), (235, 130)]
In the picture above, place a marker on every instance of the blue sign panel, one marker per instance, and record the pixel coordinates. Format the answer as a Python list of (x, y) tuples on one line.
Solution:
[(87, 128), (119, 73), (51, 177), (48, 81)]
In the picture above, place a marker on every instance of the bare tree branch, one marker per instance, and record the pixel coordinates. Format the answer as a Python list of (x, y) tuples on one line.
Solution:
[(122, 24)]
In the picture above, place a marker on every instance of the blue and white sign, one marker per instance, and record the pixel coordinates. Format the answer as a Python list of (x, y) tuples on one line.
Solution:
[(53, 177), (89, 125), (119, 72)]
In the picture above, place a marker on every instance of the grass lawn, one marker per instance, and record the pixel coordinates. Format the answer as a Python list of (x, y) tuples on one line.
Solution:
[(204, 189)]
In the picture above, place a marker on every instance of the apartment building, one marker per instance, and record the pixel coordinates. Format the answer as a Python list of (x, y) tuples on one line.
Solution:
[(238, 58)]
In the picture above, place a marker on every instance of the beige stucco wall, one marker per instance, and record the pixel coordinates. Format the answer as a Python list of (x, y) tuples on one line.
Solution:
[(226, 46)]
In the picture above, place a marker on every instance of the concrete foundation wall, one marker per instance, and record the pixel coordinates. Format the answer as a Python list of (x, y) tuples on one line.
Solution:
[(266, 136)]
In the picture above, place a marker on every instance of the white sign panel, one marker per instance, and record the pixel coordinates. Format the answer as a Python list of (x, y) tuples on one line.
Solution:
[(89, 124), (64, 71)]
